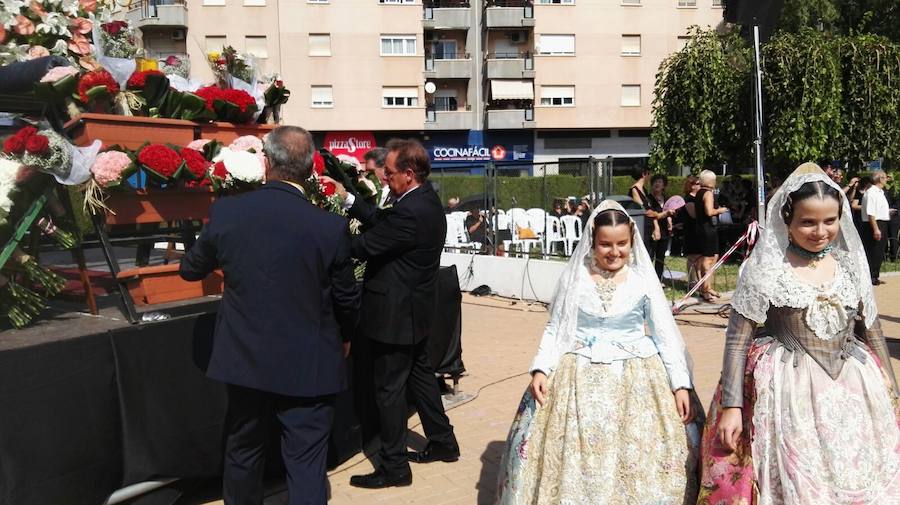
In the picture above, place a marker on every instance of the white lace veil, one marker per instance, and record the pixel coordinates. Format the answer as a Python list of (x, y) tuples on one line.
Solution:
[(753, 293), (564, 307)]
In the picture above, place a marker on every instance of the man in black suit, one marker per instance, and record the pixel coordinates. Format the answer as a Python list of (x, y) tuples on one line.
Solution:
[(402, 246), (285, 323)]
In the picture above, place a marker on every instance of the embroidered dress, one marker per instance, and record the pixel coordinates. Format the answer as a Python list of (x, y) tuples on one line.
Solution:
[(609, 430), (820, 418)]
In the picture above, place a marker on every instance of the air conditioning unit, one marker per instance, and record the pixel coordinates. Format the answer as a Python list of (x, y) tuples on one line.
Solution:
[(177, 34), (518, 37)]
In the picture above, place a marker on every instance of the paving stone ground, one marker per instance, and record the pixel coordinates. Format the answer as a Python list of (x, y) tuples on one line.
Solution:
[(499, 340)]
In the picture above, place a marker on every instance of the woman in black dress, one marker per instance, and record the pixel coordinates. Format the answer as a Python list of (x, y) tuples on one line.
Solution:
[(660, 242), (707, 235), (685, 218), (651, 231)]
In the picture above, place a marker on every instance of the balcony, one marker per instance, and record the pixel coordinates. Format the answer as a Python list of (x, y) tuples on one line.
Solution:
[(449, 119), (511, 119), (447, 14), (448, 66), (158, 13), (510, 65), (509, 14)]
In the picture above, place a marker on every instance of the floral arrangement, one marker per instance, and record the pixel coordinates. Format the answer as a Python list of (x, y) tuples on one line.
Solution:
[(232, 105), (196, 164), (162, 163), (241, 169), (275, 95), (32, 29), (46, 151), (139, 79), (177, 65), (118, 39), (230, 63), (97, 88), (111, 168)]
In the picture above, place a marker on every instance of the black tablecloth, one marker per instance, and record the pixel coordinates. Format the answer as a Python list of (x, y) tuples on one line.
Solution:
[(84, 416)]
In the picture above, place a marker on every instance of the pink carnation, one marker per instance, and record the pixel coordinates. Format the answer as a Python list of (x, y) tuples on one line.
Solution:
[(57, 73), (198, 144), (246, 143), (109, 167)]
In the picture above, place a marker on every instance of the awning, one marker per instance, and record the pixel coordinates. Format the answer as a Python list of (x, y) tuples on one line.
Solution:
[(512, 89)]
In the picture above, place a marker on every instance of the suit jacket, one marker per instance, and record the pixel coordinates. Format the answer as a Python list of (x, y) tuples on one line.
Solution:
[(402, 246), (290, 296)]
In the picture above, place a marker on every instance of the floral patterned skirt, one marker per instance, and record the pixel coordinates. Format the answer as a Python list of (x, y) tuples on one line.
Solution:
[(807, 439), (607, 434)]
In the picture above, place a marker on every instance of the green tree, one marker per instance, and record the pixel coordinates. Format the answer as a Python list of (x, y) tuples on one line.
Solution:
[(799, 14), (701, 106)]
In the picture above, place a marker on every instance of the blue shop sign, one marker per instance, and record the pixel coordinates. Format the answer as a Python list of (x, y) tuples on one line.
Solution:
[(480, 147)]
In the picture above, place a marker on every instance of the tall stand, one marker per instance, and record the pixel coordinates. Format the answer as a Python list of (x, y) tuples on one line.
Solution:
[(758, 141)]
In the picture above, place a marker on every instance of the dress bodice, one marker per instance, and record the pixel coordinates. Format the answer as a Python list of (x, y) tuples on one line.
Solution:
[(823, 322), (605, 339)]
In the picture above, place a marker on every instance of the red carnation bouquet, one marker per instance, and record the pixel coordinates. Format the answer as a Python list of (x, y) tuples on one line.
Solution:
[(162, 163), (97, 88), (232, 105), (139, 79), (196, 166)]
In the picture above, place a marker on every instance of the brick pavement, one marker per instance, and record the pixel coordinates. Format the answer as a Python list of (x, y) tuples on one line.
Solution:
[(499, 341)]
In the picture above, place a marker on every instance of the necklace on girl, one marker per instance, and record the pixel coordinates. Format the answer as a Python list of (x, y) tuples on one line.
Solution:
[(605, 287), (813, 257)]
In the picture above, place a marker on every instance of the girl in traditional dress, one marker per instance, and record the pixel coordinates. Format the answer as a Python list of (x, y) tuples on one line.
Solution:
[(608, 416), (805, 412)]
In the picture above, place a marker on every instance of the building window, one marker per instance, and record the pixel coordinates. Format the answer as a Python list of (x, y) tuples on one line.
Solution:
[(558, 96), (446, 101), (254, 3), (215, 43), (631, 2), (717, 3), (317, 1), (631, 95), (399, 97), (322, 97), (683, 41), (396, 2), (256, 46), (398, 45), (320, 44), (562, 45), (631, 45), (213, 3), (557, 2), (687, 3)]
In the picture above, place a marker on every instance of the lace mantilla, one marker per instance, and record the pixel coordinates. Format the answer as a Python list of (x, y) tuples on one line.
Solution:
[(763, 284)]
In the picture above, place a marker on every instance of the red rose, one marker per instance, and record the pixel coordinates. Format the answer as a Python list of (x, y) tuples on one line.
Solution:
[(318, 163), (195, 162), (238, 97), (37, 144), (114, 27), (173, 60), (139, 79), (328, 188), (26, 132), (160, 159), (14, 145)]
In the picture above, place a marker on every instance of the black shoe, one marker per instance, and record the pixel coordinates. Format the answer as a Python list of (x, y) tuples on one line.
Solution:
[(435, 451), (378, 480), (877, 282)]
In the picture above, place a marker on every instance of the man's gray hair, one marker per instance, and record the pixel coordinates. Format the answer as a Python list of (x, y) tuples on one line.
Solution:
[(377, 155), (289, 150)]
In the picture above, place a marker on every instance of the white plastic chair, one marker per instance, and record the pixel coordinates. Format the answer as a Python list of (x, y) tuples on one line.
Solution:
[(537, 218), (453, 231), (553, 233), (571, 232)]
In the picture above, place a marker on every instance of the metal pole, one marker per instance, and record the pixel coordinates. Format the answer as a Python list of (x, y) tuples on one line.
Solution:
[(758, 142)]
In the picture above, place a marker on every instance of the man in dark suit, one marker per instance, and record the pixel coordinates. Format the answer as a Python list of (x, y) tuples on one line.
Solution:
[(402, 246), (285, 323)]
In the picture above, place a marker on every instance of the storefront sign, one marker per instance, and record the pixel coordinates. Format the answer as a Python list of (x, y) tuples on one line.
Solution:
[(465, 147), (355, 144)]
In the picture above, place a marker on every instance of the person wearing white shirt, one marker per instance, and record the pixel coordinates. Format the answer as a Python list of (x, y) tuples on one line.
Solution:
[(875, 216)]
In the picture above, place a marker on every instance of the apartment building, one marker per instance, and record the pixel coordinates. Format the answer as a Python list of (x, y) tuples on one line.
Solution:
[(476, 80)]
